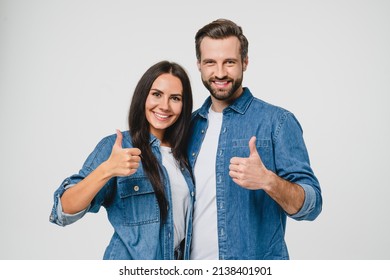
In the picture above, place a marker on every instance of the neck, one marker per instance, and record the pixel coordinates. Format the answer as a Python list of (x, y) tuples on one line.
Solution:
[(219, 105), (165, 144)]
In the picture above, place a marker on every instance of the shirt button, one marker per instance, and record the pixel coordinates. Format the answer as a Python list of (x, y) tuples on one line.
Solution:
[(193, 154), (136, 188), (202, 131)]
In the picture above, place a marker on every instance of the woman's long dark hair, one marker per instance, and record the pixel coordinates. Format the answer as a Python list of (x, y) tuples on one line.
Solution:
[(175, 135)]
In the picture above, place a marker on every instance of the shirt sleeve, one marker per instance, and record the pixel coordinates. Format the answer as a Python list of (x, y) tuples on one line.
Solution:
[(58, 216), (293, 164), (100, 154), (308, 205)]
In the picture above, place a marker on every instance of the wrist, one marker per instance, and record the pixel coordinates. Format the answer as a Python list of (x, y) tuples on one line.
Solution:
[(105, 171), (271, 182)]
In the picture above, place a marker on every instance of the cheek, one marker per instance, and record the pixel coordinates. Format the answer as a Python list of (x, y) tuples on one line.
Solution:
[(204, 73), (237, 73), (178, 108), (148, 116), (150, 103)]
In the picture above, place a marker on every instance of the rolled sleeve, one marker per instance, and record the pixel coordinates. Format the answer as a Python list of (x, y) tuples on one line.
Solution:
[(57, 215), (309, 203), (64, 219)]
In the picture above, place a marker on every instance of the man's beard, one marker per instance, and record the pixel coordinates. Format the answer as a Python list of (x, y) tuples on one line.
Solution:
[(221, 94)]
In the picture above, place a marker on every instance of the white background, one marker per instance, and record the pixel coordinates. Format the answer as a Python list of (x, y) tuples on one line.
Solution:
[(68, 70)]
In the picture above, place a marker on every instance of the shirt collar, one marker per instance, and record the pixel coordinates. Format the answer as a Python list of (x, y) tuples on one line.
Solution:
[(240, 105), (154, 141)]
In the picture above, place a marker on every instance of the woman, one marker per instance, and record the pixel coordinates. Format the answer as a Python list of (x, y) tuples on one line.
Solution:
[(141, 176)]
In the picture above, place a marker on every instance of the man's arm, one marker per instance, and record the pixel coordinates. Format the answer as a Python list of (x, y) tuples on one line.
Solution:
[(251, 173)]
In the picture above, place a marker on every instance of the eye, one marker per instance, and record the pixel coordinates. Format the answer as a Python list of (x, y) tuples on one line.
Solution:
[(208, 62), (230, 62), (155, 93), (176, 98)]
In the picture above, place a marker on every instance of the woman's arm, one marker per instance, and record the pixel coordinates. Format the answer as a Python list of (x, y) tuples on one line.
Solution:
[(122, 162)]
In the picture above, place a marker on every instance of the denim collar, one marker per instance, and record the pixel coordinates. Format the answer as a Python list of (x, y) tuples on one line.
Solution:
[(240, 105), (153, 140)]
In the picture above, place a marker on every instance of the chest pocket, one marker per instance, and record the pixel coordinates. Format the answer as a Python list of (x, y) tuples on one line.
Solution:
[(240, 148), (138, 201)]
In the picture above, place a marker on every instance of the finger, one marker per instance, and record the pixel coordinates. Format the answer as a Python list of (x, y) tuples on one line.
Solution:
[(233, 167), (233, 174), (131, 172), (237, 160), (253, 153), (237, 177), (133, 165), (135, 159), (236, 167), (252, 147), (119, 137), (133, 151)]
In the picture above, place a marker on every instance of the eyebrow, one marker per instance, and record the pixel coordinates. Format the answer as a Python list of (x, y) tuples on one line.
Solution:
[(206, 60), (173, 94)]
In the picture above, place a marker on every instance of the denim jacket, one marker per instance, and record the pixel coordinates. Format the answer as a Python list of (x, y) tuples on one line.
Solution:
[(131, 206), (251, 225)]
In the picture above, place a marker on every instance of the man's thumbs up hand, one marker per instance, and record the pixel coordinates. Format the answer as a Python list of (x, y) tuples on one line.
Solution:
[(249, 172)]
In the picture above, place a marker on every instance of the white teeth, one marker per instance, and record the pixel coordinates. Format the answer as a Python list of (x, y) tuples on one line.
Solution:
[(161, 116)]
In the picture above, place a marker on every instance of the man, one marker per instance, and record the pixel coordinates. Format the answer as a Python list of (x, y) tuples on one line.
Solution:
[(251, 166)]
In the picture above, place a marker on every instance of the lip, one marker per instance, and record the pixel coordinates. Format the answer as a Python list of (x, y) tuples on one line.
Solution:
[(161, 117), (221, 84)]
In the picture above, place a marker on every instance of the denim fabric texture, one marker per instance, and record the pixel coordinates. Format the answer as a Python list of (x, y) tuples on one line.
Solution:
[(251, 225), (131, 207)]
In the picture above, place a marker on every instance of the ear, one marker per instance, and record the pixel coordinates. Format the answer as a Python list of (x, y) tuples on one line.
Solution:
[(198, 64), (245, 63)]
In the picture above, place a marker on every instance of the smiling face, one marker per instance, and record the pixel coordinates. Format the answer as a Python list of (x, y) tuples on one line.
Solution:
[(222, 68), (164, 104)]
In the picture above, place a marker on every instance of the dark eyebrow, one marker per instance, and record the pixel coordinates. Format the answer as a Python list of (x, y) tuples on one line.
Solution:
[(174, 94), (231, 59), (208, 60), (156, 89)]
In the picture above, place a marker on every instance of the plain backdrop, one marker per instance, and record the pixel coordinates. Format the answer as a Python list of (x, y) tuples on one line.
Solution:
[(68, 70)]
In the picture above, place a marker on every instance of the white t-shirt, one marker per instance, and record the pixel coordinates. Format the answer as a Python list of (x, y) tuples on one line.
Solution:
[(205, 227), (180, 194)]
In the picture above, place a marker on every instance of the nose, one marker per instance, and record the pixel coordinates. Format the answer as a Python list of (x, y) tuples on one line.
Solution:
[(220, 71), (164, 104)]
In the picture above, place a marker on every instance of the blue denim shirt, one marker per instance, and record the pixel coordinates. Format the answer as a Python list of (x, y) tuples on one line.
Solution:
[(131, 206), (251, 225)]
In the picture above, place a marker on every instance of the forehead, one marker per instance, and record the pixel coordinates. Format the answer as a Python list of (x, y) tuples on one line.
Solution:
[(168, 83), (220, 48)]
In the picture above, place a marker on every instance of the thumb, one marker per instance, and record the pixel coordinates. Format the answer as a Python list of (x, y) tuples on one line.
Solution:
[(119, 137), (252, 147)]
